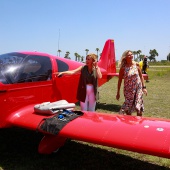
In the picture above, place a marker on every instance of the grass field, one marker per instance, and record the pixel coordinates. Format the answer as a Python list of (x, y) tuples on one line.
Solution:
[(18, 147)]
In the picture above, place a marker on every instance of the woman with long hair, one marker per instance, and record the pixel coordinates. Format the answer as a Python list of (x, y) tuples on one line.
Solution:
[(87, 88), (134, 85)]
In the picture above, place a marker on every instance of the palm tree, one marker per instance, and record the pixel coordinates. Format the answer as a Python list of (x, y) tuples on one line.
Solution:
[(59, 51), (87, 50), (82, 58), (76, 56), (79, 57), (97, 49), (67, 55)]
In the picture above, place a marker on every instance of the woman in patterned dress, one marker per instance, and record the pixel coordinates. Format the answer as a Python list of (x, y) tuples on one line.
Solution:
[(134, 86)]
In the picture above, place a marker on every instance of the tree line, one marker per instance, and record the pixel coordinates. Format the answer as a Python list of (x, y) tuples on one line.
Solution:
[(78, 57), (138, 56)]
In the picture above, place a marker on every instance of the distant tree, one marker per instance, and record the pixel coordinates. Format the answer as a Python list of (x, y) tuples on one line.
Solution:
[(79, 57), (59, 51), (87, 50), (168, 57), (82, 58), (76, 56), (141, 57), (97, 49), (67, 55), (153, 53)]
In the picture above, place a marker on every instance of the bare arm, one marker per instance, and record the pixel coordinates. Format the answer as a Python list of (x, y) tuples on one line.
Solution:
[(98, 72), (69, 72), (121, 73), (142, 80)]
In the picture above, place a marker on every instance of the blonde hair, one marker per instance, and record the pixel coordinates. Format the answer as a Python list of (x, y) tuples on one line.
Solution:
[(93, 56), (122, 61)]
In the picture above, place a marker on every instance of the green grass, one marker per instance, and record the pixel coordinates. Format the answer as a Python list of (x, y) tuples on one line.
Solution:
[(162, 63), (18, 147)]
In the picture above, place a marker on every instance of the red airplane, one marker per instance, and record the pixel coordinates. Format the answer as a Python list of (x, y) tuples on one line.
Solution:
[(27, 80)]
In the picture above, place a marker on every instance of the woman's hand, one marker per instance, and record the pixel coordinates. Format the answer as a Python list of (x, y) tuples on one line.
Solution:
[(145, 91), (58, 74), (95, 64), (117, 96)]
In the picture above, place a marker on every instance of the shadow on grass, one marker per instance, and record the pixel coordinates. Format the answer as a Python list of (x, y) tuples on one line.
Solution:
[(105, 106), (108, 107), (18, 150)]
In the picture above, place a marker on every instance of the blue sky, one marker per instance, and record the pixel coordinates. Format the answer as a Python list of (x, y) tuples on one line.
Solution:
[(76, 25)]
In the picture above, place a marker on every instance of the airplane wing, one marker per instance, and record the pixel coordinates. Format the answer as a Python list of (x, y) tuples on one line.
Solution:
[(30, 116), (139, 134), (26, 118)]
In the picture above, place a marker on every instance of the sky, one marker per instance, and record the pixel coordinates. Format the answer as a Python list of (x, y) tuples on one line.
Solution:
[(76, 25)]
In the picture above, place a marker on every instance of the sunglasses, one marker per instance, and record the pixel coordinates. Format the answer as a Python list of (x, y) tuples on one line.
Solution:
[(130, 55)]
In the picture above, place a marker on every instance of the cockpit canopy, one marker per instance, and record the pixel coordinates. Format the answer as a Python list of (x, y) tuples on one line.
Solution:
[(18, 67)]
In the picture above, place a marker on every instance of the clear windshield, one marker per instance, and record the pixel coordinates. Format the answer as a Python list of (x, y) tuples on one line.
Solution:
[(18, 68), (9, 66)]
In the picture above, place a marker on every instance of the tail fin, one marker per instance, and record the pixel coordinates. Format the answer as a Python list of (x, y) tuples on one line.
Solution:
[(107, 60)]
